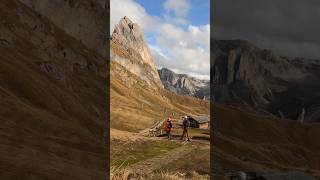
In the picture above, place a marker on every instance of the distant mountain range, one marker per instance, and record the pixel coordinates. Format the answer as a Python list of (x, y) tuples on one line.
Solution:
[(129, 49), (286, 87), (184, 84)]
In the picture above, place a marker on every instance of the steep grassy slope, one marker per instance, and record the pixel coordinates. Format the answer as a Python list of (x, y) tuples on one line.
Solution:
[(243, 141), (137, 95), (51, 98), (85, 20), (137, 100), (135, 105)]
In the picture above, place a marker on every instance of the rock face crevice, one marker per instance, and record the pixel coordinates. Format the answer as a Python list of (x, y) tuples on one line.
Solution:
[(129, 48), (242, 73)]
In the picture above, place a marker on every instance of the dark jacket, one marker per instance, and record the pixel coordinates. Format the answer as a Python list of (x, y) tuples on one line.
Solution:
[(186, 122)]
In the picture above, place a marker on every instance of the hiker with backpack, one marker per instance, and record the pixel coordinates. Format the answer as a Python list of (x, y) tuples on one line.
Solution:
[(168, 126), (186, 125)]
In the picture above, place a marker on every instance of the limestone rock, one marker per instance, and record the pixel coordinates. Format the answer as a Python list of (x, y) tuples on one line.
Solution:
[(183, 84), (129, 48), (245, 74)]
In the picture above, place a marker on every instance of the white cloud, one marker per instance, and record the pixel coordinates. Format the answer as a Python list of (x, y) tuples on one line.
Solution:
[(137, 13), (183, 44), (198, 76), (158, 51), (175, 20), (179, 7), (184, 49)]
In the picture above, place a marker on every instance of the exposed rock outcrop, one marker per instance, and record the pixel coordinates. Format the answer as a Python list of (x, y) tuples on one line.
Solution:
[(243, 73), (129, 48), (183, 84)]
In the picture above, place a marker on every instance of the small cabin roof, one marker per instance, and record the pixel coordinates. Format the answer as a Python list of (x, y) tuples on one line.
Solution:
[(201, 119)]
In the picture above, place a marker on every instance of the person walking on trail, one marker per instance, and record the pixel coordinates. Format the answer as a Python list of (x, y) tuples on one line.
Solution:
[(168, 127), (186, 125)]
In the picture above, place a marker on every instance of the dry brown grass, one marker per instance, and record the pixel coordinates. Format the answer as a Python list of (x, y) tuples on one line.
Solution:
[(50, 129), (117, 173), (182, 176), (136, 106), (247, 142), (125, 174)]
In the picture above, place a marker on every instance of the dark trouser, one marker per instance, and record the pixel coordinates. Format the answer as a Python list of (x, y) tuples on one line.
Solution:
[(185, 132), (168, 134)]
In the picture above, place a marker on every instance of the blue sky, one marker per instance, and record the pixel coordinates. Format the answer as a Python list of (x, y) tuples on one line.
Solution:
[(178, 31), (199, 13)]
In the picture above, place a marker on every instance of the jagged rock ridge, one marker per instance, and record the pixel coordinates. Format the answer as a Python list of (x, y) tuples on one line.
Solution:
[(129, 48), (243, 73), (183, 84)]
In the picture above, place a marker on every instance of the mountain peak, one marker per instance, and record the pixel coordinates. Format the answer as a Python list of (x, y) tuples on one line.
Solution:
[(130, 49), (165, 69), (128, 32), (125, 18)]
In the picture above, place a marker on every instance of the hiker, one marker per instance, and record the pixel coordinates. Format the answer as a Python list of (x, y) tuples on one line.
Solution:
[(186, 125), (168, 127)]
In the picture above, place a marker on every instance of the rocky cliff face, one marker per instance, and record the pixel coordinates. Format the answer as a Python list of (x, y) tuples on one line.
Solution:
[(243, 73), (183, 84), (129, 48), (85, 20)]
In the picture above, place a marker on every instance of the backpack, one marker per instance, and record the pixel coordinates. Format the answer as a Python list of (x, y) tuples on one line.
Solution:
[(170, 124), (186, 122), (167, 126)]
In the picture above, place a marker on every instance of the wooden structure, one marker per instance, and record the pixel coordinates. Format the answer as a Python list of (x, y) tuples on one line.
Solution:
[(202, 122)]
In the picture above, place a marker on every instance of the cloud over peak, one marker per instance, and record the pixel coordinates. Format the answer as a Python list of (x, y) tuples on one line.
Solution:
[(174, 45), (179, 7)]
